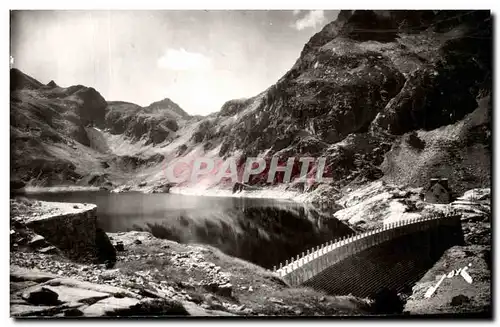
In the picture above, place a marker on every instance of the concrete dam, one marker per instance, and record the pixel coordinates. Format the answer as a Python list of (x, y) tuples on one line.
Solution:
[(394, 257)]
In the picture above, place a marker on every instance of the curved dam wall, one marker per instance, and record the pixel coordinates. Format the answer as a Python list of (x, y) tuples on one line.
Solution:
[(75, 234), (390, 257)]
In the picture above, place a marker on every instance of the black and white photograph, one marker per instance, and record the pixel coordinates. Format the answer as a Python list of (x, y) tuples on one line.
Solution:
[(255, 164)]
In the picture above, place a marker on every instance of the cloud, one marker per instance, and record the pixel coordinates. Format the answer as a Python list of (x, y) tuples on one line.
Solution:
[(311, 19), (182, 60), (296, 12)]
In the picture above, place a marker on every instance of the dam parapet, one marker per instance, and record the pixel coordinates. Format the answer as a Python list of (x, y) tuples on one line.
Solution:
[(308, 264)]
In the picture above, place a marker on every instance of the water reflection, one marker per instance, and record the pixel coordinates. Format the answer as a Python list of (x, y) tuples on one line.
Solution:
[(262, 231)]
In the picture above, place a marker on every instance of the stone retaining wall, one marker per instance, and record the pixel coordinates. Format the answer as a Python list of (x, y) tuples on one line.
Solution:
[(73, 233)]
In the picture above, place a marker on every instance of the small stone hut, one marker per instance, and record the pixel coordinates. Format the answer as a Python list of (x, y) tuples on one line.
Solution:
[(438, 191)]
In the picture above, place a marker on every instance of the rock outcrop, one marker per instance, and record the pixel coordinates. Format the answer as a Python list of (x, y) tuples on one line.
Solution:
[(455, 295), (218, 285), (38, 294)]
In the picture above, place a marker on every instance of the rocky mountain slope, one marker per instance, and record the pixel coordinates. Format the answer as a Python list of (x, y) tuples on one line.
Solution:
[(359, 86), (156, 123), (45, 119), (57, 133), (455, 296), (393, 95)]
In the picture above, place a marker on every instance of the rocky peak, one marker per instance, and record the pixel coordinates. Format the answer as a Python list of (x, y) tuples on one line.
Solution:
[(168, 105), (93, 107), (384, 25), (52, 84)]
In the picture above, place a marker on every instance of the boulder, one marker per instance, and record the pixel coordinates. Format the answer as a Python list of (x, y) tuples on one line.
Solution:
[(109, 264), (41, 296), (387, 301), (106, 252), (109, 274), (459, 300), (225, 290), (74, 312), (73, 294), (119, 246)]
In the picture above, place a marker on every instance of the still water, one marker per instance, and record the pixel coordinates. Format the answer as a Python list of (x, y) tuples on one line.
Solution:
[(263, 231)]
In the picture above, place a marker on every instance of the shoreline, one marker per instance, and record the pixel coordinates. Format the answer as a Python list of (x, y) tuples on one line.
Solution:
[(269, 193), (272, 194), (57, 189), (276, 193)]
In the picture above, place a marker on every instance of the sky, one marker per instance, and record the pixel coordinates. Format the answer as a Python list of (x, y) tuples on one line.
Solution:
[(199, 59)]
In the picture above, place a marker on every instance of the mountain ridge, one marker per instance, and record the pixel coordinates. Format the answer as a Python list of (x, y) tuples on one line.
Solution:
[(365, 83), (50, 125)]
